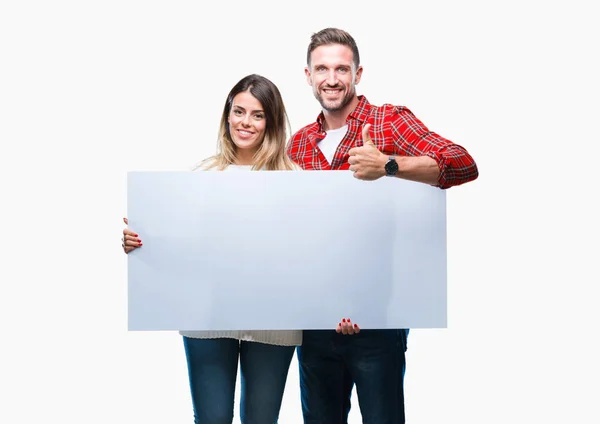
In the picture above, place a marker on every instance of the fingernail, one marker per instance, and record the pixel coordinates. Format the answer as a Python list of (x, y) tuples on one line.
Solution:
[(141, 244), (136, 235), (355, 325), (344, 320)]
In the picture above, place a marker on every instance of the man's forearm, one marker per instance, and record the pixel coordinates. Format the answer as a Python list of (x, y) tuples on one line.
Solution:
[(422, 169)]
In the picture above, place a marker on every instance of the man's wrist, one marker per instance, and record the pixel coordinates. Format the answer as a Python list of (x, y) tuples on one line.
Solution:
[(391, 166)]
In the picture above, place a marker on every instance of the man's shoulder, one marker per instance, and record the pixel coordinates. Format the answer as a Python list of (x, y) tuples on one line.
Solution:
[(390, 113), (305, 131), (388, 109)]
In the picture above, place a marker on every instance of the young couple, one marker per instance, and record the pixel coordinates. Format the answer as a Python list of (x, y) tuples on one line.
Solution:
[(349, 134)]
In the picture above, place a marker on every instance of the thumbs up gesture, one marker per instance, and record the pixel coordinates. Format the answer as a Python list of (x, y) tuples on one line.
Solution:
[(366, 137), (366, 161)]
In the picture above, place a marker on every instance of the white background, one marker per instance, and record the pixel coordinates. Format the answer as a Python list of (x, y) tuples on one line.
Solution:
[(93, 89)]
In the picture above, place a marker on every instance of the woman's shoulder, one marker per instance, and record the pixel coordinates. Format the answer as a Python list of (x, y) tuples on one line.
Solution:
[(208, 164)]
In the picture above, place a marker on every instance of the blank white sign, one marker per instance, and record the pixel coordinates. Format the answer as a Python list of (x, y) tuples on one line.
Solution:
[(284, 250)]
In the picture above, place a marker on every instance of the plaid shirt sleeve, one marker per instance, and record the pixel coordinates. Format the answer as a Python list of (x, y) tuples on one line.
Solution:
[(413, 138), (300, 149), (293, 147)]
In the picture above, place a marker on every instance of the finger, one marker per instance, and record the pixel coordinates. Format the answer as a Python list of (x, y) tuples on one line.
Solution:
[(132, 241), (128, 232), (126, 221), (130, 237), (352, 160), (352, 151), (345, 329), (128, 249), (338, 329), (365, 135), (356, 329), (349, 329), (344, 326)]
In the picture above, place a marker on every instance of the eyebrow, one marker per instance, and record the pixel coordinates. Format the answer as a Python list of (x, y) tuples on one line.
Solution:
[(254, 111), (332, 65)]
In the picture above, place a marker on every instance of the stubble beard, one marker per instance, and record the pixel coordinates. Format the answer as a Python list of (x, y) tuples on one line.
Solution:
[(334, 106)]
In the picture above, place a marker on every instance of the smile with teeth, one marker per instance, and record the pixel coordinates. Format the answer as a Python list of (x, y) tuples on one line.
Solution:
[(332, 91), (244, 134)]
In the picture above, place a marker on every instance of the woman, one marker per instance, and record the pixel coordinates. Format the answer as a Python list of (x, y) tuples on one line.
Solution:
[(252, 136)]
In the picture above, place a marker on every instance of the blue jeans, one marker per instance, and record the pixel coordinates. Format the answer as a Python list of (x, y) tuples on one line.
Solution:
[(330, 363), (212, 369)]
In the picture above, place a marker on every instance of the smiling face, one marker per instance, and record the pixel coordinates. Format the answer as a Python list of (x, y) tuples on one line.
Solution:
[(333, 76), (247, 122)]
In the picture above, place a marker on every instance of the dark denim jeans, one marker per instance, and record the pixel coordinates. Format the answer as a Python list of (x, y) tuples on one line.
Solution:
[(330, 363), (212, 369)]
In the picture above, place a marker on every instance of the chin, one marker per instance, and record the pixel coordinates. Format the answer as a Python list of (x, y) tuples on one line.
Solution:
[(245, 145), (332, 107)]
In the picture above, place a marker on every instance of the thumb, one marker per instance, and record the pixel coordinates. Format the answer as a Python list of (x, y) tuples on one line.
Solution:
[(125, 221), (365, 135)]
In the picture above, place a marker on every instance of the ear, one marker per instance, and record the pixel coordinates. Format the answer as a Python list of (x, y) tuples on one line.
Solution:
[(308, 77), (358, 74)]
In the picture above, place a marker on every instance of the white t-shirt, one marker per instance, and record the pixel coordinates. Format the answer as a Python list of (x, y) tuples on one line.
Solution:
[(331, 142)]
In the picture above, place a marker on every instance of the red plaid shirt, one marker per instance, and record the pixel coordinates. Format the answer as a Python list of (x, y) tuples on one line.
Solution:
[(395, 131)]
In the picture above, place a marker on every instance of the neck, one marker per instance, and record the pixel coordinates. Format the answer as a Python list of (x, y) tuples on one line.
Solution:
[(337, 119), (244, 157)]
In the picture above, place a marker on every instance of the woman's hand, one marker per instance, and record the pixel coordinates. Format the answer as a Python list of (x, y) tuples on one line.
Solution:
[(130, 240), (346, 327)]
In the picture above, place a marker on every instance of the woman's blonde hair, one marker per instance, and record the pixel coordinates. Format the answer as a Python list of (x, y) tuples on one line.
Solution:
[(271, 154)]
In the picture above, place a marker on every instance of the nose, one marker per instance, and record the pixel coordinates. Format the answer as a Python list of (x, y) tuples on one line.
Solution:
[(331, 78), (246, 120)]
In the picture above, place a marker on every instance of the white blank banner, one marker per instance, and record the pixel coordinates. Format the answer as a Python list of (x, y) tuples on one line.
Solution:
[(284, 250)]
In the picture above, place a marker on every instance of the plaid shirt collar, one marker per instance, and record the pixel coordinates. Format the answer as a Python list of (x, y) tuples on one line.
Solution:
[(360, 113)]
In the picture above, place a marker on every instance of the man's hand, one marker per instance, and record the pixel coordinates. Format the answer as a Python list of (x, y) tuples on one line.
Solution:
[(366, 161), (346, 327)]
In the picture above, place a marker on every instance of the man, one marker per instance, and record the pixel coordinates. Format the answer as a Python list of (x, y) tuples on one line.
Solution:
[(373, 142)]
